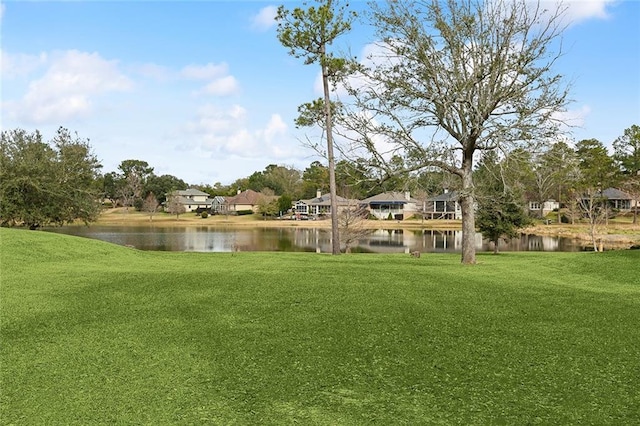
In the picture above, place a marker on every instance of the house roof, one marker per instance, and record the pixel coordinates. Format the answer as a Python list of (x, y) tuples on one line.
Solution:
[(447, 196), (191, 192), (324, 200), (616, 194), (390, 198), (192, 202), (248, 197)]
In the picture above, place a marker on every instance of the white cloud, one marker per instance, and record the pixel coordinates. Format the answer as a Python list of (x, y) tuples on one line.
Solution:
[(237, 112), (224, 86), (575, 117), (581, 10), (67, 87), (214, 120), (265, 19), (20, 64), (204, 72), (220, 83), (275, 127), (227, 132)]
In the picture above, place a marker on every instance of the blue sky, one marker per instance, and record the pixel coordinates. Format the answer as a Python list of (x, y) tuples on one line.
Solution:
[(204, 91)]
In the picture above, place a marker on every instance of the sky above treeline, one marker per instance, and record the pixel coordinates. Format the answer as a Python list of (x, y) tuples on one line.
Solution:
[(204, 91)]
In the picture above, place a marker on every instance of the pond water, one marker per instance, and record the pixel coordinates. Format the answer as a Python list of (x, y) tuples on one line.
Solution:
[(210, 239)]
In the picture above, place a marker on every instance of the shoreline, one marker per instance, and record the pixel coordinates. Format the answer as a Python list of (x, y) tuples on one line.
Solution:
[(616, 235)]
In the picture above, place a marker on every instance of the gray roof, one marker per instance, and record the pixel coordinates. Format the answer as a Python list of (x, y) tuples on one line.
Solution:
[(191, 192), (447, 196), (192, 202), (616, 194), (325, 200), (390, 198)]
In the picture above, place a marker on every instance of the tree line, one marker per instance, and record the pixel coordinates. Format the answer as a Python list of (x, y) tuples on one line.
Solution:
[(60, 181)]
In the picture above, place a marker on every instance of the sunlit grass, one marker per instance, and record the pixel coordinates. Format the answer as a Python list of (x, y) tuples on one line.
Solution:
[(97, 333)]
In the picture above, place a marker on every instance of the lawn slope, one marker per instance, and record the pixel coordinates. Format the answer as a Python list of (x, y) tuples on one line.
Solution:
[(97, 333)]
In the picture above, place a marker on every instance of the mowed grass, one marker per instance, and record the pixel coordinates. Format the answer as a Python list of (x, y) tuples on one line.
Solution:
[(94, 333)]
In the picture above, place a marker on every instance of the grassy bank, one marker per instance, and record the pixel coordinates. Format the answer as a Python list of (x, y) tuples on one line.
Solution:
[(124, 217), (97, 333)]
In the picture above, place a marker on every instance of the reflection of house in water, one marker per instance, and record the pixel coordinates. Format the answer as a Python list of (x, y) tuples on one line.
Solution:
[(433, 240), (538, 243), (445, 240), (206, 240), (313, 239), (386, 241)]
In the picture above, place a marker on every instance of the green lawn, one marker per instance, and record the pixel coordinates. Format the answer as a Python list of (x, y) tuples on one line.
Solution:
[(97, 333)]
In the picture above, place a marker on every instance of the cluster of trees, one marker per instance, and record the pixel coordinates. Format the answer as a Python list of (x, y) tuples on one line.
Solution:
[(47, 182), (59, 181), (574, 176), (135, 184)]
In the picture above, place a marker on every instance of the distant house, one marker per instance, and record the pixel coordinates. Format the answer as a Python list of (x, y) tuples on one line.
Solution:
[(246, 200), (617, 199), (547, 207), (398, 205), (192, 199), (218, 205), (320, 205), (443, 206)]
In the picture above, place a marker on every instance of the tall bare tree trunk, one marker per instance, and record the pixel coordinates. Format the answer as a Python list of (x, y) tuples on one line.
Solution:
[(467, 199), (333, 199)]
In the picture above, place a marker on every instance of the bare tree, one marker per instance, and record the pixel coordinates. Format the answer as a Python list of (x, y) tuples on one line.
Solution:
[(594, 208), (174, 206), (451, 78), (422, 196), (131, 190), (150, 205), (352, 222)]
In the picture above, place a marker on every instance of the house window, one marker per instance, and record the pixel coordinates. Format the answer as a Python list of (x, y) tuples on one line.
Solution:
[(534, 205), (622, 204)]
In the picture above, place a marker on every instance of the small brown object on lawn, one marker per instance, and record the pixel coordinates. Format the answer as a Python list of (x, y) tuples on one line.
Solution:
[(415, 254)]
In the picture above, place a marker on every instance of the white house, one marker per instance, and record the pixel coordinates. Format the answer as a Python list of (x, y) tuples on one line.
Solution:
[(192, 199), (397, 204), (321, 205), (546, 207), (443, 206)]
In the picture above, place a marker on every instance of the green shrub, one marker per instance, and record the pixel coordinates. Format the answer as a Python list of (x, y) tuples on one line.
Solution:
[(204, 215), (244, 212)]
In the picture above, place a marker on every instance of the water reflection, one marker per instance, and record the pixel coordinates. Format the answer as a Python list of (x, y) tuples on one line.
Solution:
[(206, 239)]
